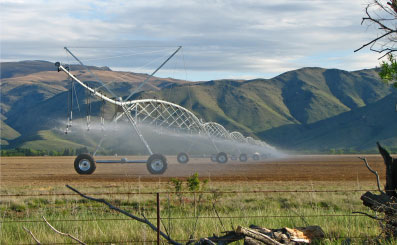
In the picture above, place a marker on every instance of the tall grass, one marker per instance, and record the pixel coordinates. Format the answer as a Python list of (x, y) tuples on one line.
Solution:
[(93, 222)]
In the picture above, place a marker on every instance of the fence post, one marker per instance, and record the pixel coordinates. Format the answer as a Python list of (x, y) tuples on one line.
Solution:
[(158, 218)]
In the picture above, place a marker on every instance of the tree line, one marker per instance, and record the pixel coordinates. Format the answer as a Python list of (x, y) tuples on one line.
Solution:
[(33, 152)]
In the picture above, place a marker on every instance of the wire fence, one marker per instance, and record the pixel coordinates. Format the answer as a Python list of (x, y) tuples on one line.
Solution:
[(186, 218), (188, 192), (197, 208)]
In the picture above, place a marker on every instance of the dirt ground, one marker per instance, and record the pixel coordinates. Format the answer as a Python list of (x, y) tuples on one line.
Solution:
[(17, 171)]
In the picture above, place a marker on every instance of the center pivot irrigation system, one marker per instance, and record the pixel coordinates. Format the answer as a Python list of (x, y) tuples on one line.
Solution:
[(168, 116)]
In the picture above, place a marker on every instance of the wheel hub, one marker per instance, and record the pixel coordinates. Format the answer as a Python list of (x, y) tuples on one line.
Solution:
[(84, 165), (157, 165)]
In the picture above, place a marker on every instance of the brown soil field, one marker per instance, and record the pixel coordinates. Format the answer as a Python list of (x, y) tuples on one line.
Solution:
[(16, 171)]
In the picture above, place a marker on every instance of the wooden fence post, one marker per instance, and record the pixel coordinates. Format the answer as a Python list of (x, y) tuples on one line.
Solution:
[(158, 218)]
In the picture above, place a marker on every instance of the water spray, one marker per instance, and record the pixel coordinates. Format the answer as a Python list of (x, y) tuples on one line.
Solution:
[(159, 119)]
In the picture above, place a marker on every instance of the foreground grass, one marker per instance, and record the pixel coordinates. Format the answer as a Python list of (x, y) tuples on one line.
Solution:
[(94, 223)]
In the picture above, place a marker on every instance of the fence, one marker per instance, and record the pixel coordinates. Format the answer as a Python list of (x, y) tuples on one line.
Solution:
[(183, 215)]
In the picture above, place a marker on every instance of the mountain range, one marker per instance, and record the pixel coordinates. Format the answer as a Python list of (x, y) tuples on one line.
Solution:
[(306, 110)]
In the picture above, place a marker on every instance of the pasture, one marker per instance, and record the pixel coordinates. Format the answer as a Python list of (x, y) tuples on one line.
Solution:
[(289, 192)]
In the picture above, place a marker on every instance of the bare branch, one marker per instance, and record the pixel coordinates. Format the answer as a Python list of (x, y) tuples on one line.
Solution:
[(389, 51), (374, 40), (142, 220), (368, 215), (384, 23), (31, 234), (61, 233), (377, 21), (372, 171), (386, 54)]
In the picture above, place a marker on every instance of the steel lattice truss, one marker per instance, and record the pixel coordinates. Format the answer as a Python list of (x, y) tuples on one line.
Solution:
[(164, 114), (238, 137), (172, 116), (216, 130)]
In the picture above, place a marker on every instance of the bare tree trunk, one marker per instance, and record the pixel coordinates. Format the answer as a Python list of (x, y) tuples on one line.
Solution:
[(391, 172), (385, 202)]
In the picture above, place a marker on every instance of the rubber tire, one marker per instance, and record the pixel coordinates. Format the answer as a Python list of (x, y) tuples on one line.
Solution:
[(221, 157), (213, 158), (152, 159), (183, 155), (243, 157), (79, 159), (256, 157)]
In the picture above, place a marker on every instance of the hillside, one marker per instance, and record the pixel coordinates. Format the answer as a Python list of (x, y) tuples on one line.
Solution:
[(7, 133), (298, 97), (357, 129), (305, 109)]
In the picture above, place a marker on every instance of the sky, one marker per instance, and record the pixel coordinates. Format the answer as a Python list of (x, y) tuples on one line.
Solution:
[(221, 39)]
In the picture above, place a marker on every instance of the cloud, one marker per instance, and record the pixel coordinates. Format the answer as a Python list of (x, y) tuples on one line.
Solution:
[(232, 37)]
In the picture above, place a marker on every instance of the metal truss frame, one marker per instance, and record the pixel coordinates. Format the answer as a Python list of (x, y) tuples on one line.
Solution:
[(164, 114)]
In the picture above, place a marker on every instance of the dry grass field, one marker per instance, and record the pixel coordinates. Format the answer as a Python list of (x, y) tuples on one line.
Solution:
[(186, 214)]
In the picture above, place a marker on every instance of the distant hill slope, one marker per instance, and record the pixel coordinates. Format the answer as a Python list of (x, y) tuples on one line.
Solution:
[(28, 82), (7, 133), (23, 68), (305, 109), (298, 97), (357, 129)]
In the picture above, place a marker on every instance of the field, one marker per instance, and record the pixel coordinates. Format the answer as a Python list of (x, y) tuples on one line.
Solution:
[(59, 170), (294, 191)]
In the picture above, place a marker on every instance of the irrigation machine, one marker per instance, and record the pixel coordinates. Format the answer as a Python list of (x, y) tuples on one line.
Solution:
[(162, 115)]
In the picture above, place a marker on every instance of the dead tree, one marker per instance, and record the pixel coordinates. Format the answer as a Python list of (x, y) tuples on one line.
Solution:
[(382, 15), (386, 201)]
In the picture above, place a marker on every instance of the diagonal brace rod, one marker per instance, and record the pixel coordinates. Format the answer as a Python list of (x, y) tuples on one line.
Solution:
[(95, 76), (151, 75)]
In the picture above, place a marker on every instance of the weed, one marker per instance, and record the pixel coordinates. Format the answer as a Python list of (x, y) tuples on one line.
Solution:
[(193, 182), (17, 207)]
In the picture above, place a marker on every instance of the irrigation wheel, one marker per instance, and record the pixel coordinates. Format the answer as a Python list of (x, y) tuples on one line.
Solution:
[(84, 164), (156, 164), (182, 157), (221, 157)]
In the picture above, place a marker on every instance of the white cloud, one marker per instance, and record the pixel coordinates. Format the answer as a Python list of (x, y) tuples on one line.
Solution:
[(357, 61), (229, 36)]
